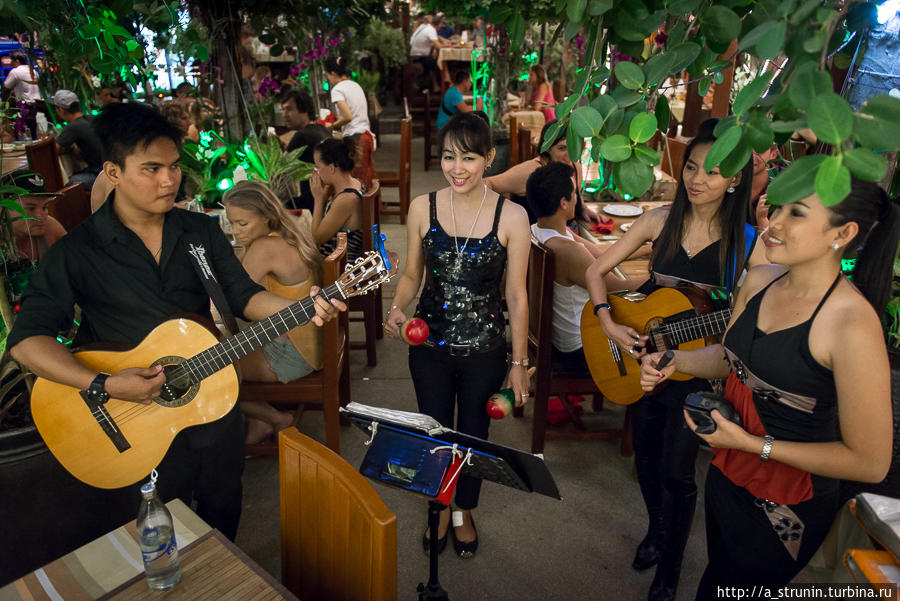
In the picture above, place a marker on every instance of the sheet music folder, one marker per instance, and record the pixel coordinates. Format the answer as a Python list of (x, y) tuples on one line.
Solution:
[(490, 461)]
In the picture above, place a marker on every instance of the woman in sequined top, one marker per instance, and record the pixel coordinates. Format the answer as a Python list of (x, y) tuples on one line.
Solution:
[(462, 239), (808, 374)]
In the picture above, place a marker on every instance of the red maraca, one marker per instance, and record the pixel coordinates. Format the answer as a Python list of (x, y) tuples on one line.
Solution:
[(414, 331), (501, 403)]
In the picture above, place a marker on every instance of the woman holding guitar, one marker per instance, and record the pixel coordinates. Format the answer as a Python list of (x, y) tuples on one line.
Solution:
[(462, 239), (808, 375), (283, 259), (702, 239)]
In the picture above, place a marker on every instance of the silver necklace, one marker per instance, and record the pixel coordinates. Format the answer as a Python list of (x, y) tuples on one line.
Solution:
[(460, 251)]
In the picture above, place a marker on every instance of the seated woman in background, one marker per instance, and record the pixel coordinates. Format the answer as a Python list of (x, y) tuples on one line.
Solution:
[(343, 212), (280, 257), (511, 183), (541, 98), (808, 374), (177, 113)]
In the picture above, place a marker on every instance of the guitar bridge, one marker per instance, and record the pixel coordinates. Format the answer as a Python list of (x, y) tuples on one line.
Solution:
[(106, 423)]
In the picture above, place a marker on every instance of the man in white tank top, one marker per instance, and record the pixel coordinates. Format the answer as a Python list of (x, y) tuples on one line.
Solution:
[(551, 194)]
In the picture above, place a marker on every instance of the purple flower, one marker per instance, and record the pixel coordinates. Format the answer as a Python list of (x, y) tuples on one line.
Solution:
[(661, 39), (294, 70), (334, 42), (269, 86)]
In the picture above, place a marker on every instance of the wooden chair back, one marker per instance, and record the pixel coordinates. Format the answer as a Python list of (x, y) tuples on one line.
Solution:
[(551, 377), (338, 538), (369, 304), (328, 387), (513, 141), (399, 179), (43, 158), (673, 157), (71, 206), (527, 147)]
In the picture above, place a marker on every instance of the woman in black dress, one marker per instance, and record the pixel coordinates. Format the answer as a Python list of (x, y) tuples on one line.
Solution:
[(462, 239), (701, 239), (808, 373)]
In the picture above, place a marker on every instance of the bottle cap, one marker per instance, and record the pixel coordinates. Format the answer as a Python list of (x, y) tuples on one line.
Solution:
[(148, 488)]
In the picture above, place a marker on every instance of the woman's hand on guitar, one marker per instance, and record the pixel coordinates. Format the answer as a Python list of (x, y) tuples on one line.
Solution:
[(392, 322), (628, 339), (136, 384), (325, 310), (650, 376)]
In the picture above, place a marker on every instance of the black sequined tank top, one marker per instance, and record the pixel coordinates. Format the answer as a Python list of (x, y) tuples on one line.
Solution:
[(461, 298)]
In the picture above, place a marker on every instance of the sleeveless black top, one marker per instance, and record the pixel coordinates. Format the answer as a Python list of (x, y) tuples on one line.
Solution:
[(795, 396), (461, 299), (701, 270), (354, 237)]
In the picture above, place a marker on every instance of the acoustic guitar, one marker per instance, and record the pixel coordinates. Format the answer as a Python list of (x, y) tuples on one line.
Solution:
[(119, 442), (679, 318)]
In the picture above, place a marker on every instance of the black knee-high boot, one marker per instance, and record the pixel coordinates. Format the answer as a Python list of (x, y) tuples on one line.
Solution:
[(648, 551), (678, 516)]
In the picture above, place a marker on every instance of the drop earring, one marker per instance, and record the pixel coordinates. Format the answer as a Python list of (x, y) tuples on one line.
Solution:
[(835, 246), (730, 189)]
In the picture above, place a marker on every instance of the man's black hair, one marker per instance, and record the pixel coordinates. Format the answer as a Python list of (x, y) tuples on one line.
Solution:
[(459, 77), (335, 65), (122, 128), (184, 86), (547, 185), (302, 101), (18, 56)]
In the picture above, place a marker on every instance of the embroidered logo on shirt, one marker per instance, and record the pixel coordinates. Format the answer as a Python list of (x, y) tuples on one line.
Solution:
[(199, 253)]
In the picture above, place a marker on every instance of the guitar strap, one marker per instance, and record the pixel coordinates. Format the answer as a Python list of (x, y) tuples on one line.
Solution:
[(204, 270)]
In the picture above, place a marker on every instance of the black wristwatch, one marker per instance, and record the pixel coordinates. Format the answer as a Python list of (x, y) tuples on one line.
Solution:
[(96, 392)]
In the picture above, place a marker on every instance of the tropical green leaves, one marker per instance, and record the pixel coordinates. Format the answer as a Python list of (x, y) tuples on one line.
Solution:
[(830, 118)]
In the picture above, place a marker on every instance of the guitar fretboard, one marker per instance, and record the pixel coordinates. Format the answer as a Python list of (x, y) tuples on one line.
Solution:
[(230, 350), (694, 328)]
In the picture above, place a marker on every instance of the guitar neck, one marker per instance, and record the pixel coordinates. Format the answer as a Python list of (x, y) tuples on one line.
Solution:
[(694, 328), (230, 350)]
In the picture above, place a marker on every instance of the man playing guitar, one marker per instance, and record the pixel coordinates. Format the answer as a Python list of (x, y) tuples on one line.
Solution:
[(127, 267)]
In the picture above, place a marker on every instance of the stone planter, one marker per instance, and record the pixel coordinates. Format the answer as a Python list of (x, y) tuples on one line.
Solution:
[(44, 511)]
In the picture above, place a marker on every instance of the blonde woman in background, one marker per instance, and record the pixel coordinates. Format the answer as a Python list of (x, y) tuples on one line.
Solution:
[(282, 258)]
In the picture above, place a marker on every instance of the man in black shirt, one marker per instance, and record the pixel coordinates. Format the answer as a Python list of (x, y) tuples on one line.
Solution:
[(78, 133), (127, 267), (299, 115)]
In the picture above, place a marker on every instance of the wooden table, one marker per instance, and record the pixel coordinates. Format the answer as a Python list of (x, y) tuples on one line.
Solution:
[(101, 565), (211, 568), (11, 161)]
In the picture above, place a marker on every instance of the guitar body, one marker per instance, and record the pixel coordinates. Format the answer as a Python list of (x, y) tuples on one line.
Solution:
[(616, 374), (75, 438)]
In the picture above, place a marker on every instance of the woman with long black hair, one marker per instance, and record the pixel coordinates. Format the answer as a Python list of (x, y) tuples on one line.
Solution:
[(701, 239)]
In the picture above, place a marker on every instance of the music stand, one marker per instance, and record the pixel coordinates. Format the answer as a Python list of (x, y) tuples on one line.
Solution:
[(414, 452)]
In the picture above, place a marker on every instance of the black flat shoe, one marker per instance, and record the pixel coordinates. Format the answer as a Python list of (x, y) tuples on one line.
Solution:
[(441, 542), (465, 549)]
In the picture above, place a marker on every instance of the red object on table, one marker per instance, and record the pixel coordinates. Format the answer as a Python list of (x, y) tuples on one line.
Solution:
[(603, 226)]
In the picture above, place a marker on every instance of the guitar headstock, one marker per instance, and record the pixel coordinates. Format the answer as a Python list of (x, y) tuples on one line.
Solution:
[(368, 272)]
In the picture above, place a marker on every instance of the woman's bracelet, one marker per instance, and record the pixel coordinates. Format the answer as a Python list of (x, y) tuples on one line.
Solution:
[(599, 306), (520, 363)]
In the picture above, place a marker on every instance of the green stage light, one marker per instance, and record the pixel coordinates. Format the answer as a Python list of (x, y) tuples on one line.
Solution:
[(225, 184)]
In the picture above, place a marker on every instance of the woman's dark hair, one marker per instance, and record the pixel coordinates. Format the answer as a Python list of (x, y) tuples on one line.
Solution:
[(467, 131), (732, 217), (340, 153), (875, 245), (547, 185), (335, 65), (541, 74), (123, 127), (560, 135)]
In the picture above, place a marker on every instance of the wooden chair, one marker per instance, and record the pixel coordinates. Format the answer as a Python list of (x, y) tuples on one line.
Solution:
[(338, 538), (552, 377), (43, 158), (527, 147), (513, 140), (328, 387), (369, 304), (675, 150), (399, 179), (71, 206), (430, 131)]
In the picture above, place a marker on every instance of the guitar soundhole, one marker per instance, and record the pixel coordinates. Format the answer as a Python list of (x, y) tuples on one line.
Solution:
[(179, 389)]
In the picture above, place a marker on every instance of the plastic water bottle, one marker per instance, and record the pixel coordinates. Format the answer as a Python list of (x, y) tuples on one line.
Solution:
[(157, 539)]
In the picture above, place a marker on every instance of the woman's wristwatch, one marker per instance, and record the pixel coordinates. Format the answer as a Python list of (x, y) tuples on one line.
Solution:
[(767, 448)]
